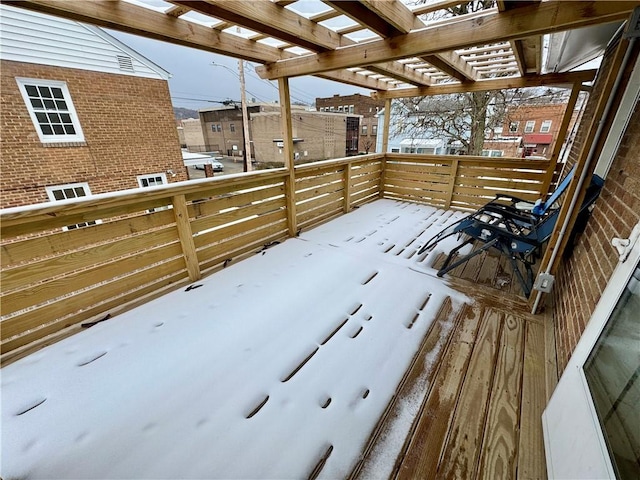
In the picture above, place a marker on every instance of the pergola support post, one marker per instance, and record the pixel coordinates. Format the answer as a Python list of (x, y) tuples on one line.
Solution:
[(562, 136), (287, 149), (385, 143)]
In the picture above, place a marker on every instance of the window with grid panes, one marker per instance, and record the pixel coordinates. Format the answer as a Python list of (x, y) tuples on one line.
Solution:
[(51, 110)]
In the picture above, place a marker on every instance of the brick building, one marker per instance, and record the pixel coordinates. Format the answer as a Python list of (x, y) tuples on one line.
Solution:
[(528, 130), (81, 113), (222, 128), (356, 104), (193, 135), (316, 136), (319, 135)]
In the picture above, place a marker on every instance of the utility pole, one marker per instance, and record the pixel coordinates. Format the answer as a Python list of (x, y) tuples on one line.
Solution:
[(245, 120)]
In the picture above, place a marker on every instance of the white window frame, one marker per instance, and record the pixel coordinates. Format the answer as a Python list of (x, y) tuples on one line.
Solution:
[(71, 111), (545, 126), (153, 176), (87, 193), (162, 175), (530, 126), (516, 127)]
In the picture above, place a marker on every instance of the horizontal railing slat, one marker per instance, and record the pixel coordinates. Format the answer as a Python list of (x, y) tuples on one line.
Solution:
[(54, 279)]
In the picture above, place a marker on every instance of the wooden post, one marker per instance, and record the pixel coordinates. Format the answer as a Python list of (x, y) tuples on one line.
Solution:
[(562, 136), (452, 183), (385, 142), (287, 140), (596, 118), (248, 166), (346, 206), (186, 237)]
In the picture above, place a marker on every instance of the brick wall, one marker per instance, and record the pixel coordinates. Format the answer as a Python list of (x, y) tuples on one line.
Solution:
[(582, 277), (193, 136), (323, 136), (128, 126), (363, 105)]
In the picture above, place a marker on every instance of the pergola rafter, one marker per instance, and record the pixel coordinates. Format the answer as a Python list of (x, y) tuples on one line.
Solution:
[(406, 53)]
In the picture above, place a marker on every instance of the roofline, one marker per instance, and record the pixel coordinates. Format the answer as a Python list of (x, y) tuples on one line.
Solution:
[(126, 49)]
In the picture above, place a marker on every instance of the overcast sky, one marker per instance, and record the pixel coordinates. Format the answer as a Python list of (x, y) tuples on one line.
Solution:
[(200, 79)]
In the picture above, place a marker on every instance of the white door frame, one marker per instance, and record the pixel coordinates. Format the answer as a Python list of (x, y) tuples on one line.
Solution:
[(574, 443)]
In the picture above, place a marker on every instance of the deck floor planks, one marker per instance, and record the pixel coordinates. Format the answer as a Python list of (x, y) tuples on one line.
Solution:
[(420, 373), (531, 463), (487, 273), (500, 444), (466, 432), (428, 439), (473, 266)]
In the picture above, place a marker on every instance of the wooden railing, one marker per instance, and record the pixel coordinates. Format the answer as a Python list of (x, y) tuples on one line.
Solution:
[(462, 182), (150, 241)]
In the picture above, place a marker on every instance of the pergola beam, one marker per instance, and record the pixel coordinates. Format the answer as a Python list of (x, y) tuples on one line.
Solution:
[(551, 79), (453, 65), (519, 23), (390, 18), (525, 49), (270, 19), (130, 18), (278, 22)]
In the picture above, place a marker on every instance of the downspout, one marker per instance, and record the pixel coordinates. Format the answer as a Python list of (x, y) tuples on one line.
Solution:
[(583, 176)]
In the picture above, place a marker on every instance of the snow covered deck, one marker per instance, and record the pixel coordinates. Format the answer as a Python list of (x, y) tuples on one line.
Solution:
[(333, 354)]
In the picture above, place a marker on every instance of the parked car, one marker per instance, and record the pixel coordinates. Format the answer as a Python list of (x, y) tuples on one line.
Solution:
[(216, 165)]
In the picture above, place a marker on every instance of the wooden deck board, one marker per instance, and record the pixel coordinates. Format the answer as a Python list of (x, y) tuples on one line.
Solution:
[(481, 416), (466, 432), (531, 462), (500, 442), (428, 439), (419, 375)]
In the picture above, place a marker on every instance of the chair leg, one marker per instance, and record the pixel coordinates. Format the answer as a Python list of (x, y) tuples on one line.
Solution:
[(447, 268), (525, 284)]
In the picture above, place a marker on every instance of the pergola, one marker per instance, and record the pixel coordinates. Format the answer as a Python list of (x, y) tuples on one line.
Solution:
[(382, 45)]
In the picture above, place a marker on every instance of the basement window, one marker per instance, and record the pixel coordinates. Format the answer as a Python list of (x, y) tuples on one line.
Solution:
[(153, 180), (51, 110), (58, 193)]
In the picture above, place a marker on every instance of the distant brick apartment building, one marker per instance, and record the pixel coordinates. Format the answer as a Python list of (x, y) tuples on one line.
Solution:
[(80, 113), (318, 135), (528, 130), (361, 105), (221, 128)]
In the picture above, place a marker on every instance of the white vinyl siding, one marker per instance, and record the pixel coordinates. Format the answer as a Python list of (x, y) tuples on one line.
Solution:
[(33, 37), (51, 109)]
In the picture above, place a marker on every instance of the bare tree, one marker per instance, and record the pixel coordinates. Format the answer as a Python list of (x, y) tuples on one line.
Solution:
[(465, 119)]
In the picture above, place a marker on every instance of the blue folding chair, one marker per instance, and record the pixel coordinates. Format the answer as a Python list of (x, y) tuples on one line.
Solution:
[(518, 235)]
